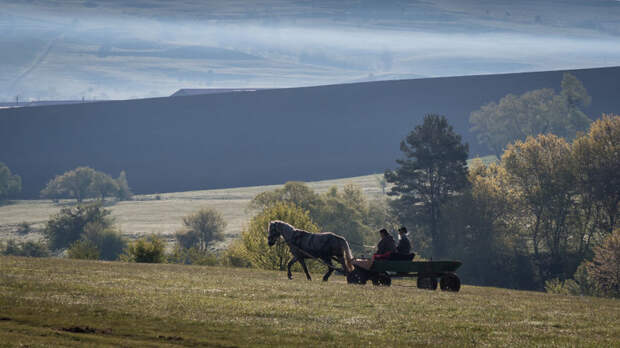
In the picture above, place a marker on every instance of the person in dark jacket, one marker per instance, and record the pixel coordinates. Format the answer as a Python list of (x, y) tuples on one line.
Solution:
[(386, 246), (404, 246)]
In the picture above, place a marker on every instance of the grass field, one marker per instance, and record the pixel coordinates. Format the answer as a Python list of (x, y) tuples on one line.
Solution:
[(162, 213), (59, 302)]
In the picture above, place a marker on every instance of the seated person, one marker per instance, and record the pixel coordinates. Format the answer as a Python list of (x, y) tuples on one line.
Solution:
[(386, 246), (403, 250)]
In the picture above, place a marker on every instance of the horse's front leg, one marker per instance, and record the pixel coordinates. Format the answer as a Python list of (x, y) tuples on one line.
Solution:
[(290, 276), (330, 269), (303, 264)]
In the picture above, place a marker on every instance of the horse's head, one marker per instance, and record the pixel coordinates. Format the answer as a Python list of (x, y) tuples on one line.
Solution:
[(274, 234)]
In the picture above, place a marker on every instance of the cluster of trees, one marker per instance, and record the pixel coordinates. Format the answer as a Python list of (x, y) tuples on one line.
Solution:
[(534, 216), (10, 184), (535, 112), (85, 182), (345, 211)]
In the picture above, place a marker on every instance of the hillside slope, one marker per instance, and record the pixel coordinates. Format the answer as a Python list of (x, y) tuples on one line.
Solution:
[(258, 138), (56, 302)]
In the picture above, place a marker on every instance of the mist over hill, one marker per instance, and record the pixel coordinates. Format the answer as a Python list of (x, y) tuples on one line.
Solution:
[(120, 49), (261, 137)]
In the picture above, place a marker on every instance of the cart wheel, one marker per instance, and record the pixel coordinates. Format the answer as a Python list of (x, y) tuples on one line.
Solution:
[(382, 280), (427, 282), (358, 276), (450, 282)]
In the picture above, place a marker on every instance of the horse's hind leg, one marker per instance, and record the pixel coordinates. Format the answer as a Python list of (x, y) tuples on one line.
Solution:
[(289, 275), (329, 270), (303, 264)]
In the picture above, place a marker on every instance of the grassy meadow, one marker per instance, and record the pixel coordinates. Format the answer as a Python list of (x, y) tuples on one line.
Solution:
[(60, 302), (162, 213)]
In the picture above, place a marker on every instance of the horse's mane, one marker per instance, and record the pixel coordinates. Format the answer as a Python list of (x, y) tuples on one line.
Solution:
[(283, 224)]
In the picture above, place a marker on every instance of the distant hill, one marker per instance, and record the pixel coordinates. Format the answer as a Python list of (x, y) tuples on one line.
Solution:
[(260, 137), (184, 92)]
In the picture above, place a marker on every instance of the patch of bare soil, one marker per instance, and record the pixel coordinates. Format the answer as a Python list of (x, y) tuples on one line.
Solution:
[(171, 338), (84, 329)]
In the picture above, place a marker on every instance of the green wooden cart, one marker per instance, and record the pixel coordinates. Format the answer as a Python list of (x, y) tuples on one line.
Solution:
[(381, 272)]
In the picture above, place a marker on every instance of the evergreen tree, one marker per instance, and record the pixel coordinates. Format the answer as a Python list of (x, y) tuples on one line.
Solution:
[(434, 169)]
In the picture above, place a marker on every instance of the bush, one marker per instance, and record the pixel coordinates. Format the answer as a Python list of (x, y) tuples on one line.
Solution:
[(193, 256), (147, 249), (28, 248), (108, 241), (68, 226), (236, 255), (559, 287), (186, 238), (201, 228), (24, 228), (254, 237), (83, 249)]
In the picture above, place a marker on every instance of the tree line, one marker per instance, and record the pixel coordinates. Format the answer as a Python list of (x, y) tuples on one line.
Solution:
[(84, 182), (534, 216), (80, 183)]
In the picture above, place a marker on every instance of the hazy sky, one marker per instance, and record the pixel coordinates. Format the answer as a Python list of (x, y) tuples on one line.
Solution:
[(126, 49)]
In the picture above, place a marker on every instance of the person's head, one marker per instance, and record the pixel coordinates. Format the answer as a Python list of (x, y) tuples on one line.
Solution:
[(383, 232), (402, 230)]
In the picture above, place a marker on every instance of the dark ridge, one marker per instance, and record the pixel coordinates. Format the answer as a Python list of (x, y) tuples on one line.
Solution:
[(261, 137)]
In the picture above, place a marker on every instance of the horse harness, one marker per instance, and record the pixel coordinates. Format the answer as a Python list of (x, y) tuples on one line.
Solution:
[(295, 240)]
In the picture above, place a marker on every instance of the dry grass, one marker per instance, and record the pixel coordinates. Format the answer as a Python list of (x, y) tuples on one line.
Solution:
[(42, 300), (161, 213), (146, 214)]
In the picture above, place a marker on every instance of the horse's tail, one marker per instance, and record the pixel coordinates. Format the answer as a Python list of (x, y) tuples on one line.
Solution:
[(347, 256)]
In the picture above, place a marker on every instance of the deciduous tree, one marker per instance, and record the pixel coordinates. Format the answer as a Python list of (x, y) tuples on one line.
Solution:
[(535, 112), (201, 228), (597, 163), (10, 184), (540, 169), (605, 267)]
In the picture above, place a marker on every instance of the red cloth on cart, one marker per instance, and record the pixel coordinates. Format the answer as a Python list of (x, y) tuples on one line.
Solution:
[(385, 256)]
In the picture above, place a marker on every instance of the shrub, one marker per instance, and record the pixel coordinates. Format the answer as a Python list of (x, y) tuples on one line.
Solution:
[(28, 248), (192, 256), (559, 287), (68, 226), (108, 241), (202, 227), (236, 255), (254, 237), (147, 249), (186, 238), (24, 228), (83, 249)]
